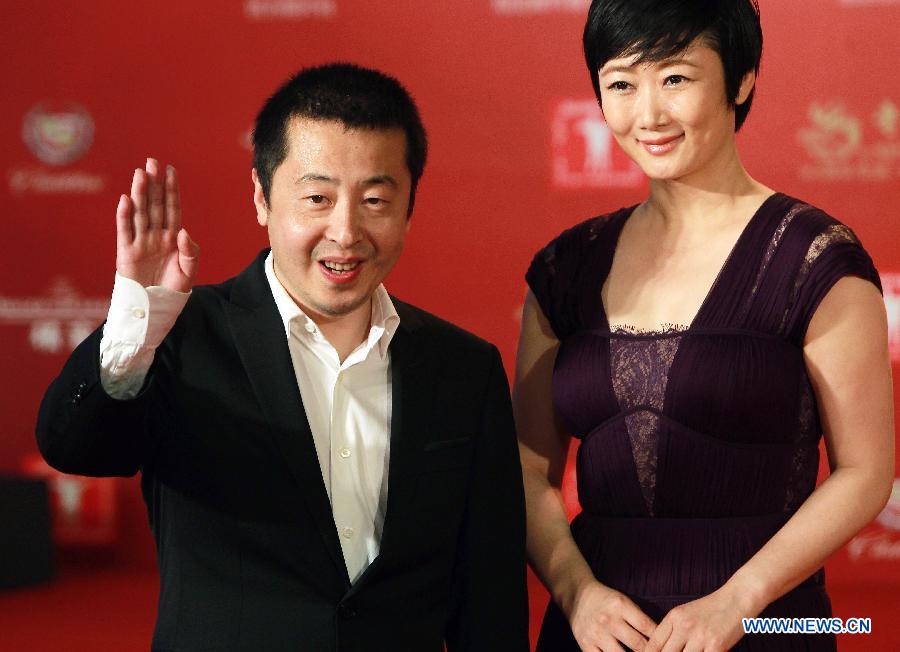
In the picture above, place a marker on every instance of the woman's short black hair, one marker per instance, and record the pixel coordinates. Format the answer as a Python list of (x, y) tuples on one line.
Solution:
[(359, 98), (658, 29)]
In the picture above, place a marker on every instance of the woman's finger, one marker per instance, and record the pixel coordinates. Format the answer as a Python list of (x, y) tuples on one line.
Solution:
[(629, 636), (660, 636), (640, 621), (675, 642), (610, 644)]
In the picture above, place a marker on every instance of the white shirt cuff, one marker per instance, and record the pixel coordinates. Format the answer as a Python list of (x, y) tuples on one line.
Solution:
[(138, 320)]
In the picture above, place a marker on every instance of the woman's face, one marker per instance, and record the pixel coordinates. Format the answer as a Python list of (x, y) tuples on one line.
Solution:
[(672, 117)]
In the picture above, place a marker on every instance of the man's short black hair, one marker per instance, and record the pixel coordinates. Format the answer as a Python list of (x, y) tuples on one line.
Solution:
[(358, 97), (655, 30)]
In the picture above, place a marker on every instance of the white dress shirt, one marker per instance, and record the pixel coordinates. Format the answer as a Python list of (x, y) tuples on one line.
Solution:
[(347, 404)]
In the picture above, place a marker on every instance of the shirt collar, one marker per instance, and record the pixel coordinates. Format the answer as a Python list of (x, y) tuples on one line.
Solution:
[(385, 319)]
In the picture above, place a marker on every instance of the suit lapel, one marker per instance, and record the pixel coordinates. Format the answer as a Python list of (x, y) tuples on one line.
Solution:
[(259, 337)]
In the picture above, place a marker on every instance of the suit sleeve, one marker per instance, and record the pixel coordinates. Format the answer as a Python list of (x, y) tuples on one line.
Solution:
[(490, 605), (82, 430)]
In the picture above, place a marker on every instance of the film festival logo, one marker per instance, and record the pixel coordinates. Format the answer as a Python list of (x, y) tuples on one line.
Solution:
[(57, 134), (289, 9), (584, 153), (58, 322), (521, 7), (844, 146)]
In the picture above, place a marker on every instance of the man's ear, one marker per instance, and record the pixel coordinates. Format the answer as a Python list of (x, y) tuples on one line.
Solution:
[(259, 200), (747, 83)]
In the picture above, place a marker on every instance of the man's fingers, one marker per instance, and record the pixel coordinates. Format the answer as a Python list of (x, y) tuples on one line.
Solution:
[(188, 255), (156, 207), (139, 199), (124, 222), (173, 200)]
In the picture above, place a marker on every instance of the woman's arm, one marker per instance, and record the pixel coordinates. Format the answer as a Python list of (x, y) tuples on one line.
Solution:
[(599, 616), (846, 354)]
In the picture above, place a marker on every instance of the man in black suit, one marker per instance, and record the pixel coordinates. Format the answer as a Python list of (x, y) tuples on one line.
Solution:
[(324, 466)]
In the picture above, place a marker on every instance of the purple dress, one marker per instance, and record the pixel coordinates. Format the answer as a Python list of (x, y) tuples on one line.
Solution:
[(699, 442)]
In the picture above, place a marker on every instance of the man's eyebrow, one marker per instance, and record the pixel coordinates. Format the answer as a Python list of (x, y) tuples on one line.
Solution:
[(377, 180), (313, 176), (381, 180)]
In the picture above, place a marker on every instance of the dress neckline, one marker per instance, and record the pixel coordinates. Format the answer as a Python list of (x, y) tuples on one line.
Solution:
[(667, 329)]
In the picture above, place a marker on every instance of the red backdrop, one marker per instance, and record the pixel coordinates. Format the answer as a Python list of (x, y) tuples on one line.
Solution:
[(518, 152)]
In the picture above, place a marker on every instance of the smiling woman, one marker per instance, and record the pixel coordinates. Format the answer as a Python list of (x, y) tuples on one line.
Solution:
[(699, 345), (672, 116)]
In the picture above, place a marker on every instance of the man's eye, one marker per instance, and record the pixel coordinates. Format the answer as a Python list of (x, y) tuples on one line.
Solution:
[(374, 201), (316, 199)]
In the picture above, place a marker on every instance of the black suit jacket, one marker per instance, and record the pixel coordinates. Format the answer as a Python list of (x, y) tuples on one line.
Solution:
[(247, 547)]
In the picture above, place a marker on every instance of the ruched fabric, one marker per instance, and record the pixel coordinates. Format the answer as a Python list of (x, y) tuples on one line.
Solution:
[(697, 441)]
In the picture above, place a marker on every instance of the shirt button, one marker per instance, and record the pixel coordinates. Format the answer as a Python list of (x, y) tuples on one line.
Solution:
[(310, 327), (348, 532), (138, 313), (345, 453)]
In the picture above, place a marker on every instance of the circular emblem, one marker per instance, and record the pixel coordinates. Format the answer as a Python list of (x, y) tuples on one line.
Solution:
[(58, 134), (890, 515)]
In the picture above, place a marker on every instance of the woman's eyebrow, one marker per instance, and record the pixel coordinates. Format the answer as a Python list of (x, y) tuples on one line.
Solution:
[(627, 68)]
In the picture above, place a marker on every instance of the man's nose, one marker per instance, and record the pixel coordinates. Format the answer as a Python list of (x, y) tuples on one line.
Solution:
[(345, 224)]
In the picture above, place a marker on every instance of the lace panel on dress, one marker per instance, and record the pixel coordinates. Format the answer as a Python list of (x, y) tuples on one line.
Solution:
[(834, 234), (666, 328), (640, 371), (804, 465), (774, 242)]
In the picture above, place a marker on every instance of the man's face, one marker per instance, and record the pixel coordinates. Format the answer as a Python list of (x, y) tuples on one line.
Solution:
[(337, 214)]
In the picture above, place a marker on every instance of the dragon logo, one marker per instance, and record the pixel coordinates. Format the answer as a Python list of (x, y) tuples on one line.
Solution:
[(835, 133)]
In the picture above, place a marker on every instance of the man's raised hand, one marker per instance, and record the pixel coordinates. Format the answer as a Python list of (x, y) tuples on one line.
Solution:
[(151, 246)]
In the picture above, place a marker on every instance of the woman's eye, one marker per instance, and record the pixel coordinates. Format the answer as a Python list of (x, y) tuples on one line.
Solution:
[(316, 199), (674, 80), (618, 86)]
